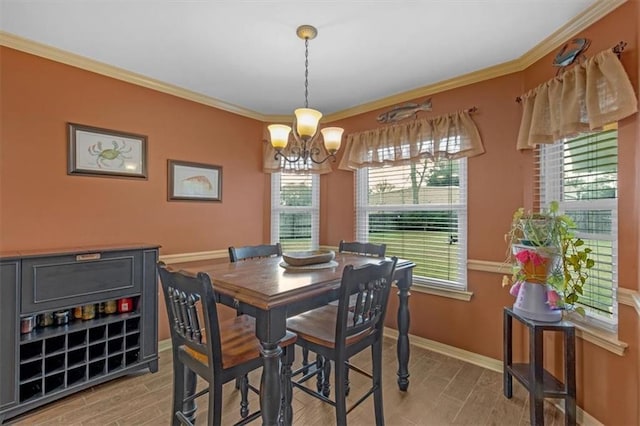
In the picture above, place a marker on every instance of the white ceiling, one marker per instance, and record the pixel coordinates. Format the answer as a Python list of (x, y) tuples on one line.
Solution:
[(246, 53)]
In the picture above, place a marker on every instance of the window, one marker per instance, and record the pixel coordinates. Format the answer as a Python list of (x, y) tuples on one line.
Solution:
[(582, 174), (420, 212), (295, 210)]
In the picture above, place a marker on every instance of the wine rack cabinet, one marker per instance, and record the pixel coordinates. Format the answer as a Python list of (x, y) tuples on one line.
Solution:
[(53, 361)]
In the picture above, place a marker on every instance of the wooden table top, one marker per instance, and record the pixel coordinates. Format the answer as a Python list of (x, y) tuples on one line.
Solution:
[(265, 284)]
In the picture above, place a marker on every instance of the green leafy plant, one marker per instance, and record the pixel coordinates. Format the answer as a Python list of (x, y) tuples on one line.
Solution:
[(552, 234)]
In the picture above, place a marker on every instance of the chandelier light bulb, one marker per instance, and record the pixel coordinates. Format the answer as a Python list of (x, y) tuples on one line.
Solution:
[(279, 135), (307, 121), (332, 138)]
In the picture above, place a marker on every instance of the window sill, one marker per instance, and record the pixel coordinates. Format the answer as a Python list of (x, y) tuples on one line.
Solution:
[(603, 338), (420, 287)]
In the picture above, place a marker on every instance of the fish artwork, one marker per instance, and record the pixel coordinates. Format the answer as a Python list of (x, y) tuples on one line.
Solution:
[(570, 52), (404, 111), (197, 185)]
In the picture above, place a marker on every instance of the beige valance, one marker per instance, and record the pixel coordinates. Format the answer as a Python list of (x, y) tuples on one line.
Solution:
[(271, 165), (449, 136), (586, 97)]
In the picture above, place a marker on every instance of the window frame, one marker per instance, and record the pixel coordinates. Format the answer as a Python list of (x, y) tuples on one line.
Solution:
[(277, 208), (362, 209), (550, 177)]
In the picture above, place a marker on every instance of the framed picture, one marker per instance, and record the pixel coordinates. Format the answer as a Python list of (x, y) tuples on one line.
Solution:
[(102, 152), (194, 181)]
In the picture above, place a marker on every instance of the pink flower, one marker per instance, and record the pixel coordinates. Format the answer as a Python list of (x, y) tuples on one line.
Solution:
[(525, 256), (515, 289), (553, 298)]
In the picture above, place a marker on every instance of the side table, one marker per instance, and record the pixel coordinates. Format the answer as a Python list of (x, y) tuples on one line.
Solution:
[(538, 381)]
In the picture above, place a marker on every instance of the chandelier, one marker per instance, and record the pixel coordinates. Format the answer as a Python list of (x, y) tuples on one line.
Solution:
[(305, 144)]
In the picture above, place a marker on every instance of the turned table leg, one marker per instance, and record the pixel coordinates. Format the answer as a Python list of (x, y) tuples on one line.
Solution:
[(404, 282)]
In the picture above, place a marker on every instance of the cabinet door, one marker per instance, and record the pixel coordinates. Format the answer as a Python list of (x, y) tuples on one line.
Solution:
[(9, 332), (53, 282)]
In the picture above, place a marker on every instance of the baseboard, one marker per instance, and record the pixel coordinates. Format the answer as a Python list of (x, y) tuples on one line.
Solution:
[(451, 351), (492, 364), (164, 345)]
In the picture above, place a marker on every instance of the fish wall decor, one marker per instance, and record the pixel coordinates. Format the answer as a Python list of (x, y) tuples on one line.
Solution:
[(570, 52), (404, 111)]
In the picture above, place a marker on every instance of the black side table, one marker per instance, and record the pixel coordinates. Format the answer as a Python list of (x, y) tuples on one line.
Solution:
[(538, 381)]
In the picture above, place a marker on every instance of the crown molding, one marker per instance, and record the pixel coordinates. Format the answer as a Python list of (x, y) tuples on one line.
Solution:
[(25, 45), (452, 83), (584, 20), (587, 18), (594, 13)]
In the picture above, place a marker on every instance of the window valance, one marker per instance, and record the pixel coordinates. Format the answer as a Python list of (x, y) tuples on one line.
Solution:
[(449, 136), (271, 165), (586, 97)]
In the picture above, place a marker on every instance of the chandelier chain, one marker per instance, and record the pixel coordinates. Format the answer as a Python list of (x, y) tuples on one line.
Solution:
[(305, 148), (306, 73)]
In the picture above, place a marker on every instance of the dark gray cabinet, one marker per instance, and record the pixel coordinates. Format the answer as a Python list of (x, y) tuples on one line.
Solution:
[(53, 361)]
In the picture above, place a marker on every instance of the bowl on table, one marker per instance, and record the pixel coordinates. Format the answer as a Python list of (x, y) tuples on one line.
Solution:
[(304, 258)]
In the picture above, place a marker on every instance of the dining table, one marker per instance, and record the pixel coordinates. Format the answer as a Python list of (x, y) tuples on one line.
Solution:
[(271, 291)]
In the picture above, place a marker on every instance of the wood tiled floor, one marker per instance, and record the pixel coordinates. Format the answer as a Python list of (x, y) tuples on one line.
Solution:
[(443, 391)]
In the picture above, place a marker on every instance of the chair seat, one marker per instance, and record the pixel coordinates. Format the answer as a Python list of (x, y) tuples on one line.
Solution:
[(239, 342), (319, 326)]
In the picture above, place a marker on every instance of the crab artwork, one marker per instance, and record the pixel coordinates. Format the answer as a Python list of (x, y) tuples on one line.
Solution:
[(105, 157)]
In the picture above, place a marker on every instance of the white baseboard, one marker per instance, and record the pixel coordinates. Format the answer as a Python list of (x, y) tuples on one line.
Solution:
[(453, 352), (492, 364)]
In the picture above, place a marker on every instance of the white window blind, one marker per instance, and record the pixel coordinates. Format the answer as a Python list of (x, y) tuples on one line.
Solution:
[(420, 212), (582, 175), (295, 210)]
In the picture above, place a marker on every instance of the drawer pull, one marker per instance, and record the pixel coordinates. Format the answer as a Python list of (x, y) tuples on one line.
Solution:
[(89, 256)]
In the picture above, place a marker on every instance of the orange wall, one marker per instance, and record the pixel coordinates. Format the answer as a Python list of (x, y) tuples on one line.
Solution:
[(41, 206), (499, 182)]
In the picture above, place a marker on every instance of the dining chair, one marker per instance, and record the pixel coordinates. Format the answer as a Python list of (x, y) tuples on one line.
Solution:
[(218, 352), (252, 252), (355, 247), (337, 333)]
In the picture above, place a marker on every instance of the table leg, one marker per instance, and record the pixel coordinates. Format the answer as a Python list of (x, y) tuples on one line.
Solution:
[(404, 282), (270, 389), (270, 329)]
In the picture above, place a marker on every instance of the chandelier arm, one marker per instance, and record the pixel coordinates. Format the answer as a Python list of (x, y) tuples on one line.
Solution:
[(332, 156), (304, 143), (296, 155)]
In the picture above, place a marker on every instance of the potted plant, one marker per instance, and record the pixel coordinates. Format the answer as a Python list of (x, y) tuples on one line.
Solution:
[(547, 252)]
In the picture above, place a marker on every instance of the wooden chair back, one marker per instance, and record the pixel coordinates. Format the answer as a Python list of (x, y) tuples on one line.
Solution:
[(371, 285), (366, 249), (185, 295), (252, 252)]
